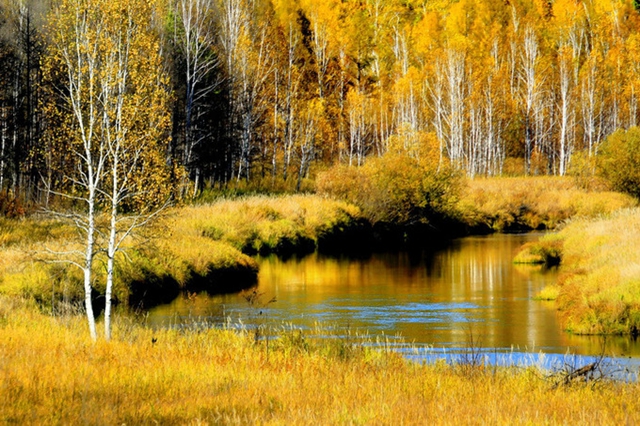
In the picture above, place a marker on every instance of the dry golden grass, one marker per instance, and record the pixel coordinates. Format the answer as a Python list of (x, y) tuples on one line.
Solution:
[(599, 290), (267, 223), (50, 373), (23, 244), (540, 202), (186, 244)]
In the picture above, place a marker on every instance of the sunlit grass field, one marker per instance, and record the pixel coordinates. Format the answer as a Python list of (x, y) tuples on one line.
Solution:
[(541, 202), (50, 373), (599, 289)]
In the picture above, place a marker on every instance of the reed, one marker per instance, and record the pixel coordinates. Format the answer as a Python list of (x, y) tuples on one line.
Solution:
[(50, 373)]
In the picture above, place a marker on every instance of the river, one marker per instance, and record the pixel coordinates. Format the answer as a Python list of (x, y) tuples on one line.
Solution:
[(438, 302)]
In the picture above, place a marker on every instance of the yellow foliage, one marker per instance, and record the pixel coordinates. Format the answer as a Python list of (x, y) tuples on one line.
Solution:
[(397, 187), (107, 56)]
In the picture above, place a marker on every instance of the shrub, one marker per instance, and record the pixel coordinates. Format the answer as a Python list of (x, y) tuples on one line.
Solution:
[(396, 188), (620, 161), (11, 206)]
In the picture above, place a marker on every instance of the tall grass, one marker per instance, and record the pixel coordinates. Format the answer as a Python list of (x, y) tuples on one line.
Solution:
[(204, 247), (50, 373), (268, 224), (599, 289), (541, 202)]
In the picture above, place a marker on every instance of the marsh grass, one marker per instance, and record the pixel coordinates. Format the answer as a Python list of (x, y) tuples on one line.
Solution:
[(271, 224), (194, 248), (546, 252), (598, 291), (540, 202), (50, 373)]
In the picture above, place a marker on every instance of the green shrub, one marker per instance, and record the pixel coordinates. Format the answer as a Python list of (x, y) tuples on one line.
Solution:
[(547, 250), (620, 161)]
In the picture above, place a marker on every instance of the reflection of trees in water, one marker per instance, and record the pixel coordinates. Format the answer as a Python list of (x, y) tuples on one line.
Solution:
[(428, 297)]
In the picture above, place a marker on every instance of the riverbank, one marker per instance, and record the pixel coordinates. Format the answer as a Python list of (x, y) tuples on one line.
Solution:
[(192, 248), (209, 247), (598, 291), (52, 374), (508, 204)]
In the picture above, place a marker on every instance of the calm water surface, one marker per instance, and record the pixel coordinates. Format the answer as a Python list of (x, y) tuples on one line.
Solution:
[(435, 301)]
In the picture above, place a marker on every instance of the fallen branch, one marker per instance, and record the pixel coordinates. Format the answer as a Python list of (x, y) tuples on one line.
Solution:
[(580, 372), (577, 373)]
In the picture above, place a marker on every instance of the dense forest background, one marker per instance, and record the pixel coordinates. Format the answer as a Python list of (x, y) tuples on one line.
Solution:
[(272, 91)]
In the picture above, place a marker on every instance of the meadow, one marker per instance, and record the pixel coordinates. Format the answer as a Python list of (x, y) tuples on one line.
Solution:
[(51, 373)]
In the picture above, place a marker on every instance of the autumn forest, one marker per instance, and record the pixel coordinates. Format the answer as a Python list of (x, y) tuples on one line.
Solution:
[(272, 91), (175, 154)]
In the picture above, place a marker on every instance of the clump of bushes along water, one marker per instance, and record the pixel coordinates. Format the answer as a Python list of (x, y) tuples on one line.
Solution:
[(396, 189), (619, 161), (401, 190)]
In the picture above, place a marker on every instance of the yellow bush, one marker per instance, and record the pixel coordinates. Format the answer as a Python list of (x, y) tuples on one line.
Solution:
[(620, 160), (395, 188)]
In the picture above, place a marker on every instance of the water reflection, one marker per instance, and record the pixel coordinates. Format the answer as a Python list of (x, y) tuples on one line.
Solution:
[(440, 300)]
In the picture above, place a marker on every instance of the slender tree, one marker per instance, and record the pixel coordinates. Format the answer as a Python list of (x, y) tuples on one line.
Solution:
[(111, 84), (194, 35)]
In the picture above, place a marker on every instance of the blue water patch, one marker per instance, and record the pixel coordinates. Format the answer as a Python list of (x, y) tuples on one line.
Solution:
[(619, 368)]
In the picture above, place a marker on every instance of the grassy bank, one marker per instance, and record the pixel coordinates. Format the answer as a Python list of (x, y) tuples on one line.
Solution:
[(195, 248), (51, 374), (209, 247), (271, 224), (528, 203), (599, 289)]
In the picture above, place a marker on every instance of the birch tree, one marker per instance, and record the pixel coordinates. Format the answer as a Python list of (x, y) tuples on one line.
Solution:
[(566, 109), (455, 79), (195, 37), (77, 40), (134, 120), (291, 84), (529, 91), (590, 104), (114, 88)]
